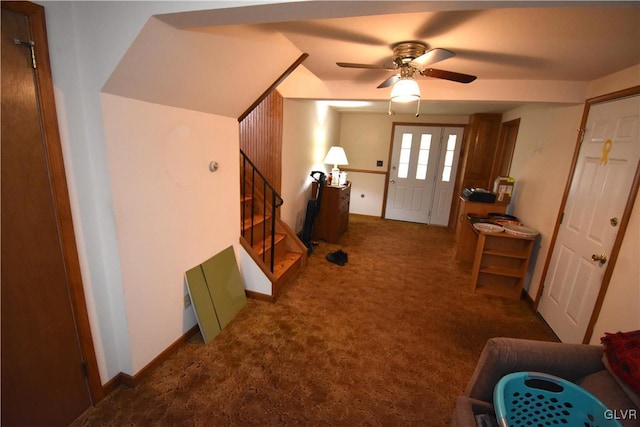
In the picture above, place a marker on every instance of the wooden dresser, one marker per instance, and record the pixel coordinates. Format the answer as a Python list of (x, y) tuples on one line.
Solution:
[(333, 219)]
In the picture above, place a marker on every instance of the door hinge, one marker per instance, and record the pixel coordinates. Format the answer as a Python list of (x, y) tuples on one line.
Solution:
[(561, 217), (85, 369), (581, 133), (31, 45)]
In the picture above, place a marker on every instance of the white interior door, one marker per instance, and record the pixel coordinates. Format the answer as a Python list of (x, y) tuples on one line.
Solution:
[(599, 190), (424, 160)]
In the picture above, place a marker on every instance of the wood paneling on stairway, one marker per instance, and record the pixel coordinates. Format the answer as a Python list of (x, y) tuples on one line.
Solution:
[(261, 138), (261, 142)]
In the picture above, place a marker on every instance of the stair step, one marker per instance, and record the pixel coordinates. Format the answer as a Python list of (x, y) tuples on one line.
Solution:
[(258, 219), (285, 266), (259, 247)]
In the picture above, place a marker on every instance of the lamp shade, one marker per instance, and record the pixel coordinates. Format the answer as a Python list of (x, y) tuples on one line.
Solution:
[(405, 90), (336, 156)]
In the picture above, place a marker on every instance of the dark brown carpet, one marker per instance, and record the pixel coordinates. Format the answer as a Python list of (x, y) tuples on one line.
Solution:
[(389, 339)]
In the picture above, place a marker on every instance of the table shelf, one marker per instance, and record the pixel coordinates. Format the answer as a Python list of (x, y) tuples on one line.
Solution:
[(500, 264), (466, 235), (501, 271), (506, 254)]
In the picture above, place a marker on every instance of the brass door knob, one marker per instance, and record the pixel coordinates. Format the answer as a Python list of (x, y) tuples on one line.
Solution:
[(602, 258)]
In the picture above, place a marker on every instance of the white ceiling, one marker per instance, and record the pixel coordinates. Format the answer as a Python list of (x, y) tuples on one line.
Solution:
[(566, 43), (562, 41)]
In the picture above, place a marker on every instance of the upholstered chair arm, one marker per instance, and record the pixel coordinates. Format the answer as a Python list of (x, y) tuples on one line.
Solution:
[(502, 356), (466, 409)]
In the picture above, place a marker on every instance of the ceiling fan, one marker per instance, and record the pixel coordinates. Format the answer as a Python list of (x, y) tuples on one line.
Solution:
[(412, 57)]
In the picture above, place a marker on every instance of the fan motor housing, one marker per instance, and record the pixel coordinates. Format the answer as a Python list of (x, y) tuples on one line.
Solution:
[(405, 52)]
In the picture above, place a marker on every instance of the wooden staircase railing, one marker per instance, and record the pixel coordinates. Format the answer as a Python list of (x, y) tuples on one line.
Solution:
[(272, 244), (266, 213)]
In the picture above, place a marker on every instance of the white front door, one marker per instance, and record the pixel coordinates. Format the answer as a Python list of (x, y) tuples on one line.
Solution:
[(424, 161), (599, 190)]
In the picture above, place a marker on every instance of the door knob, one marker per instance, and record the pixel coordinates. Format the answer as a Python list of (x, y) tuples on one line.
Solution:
[(393, 181), (602, 258)]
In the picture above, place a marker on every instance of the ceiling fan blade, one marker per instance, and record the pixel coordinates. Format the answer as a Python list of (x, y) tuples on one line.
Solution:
[(431, 57), (441, 23), (448, 75), (389, 82), (368, 66), (315, 29)]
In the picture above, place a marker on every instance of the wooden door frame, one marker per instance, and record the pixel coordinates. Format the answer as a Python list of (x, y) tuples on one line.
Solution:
[(53, 148), (624, 222), (502, 147)]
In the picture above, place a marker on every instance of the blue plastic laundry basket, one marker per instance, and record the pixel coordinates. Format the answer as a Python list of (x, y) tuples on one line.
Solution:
[(540, 400)]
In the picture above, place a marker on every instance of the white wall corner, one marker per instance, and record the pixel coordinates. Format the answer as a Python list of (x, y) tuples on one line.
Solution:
[(252, 276)]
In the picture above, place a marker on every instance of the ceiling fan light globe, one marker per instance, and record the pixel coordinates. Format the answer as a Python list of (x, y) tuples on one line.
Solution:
[(405, 90), (404, 99)]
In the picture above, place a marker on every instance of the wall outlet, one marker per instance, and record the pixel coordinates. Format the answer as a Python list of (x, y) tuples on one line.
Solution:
[(187, 301)]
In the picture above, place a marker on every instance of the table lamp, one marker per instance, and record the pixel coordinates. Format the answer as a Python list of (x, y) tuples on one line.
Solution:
[(335, 157)]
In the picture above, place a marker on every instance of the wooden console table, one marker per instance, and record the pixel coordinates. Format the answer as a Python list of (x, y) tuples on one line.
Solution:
[(333, 218), (466, 236)]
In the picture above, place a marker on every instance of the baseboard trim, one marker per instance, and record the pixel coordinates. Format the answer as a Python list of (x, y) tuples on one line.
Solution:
[(259, 296), (134, 380), (525, 295), (110, 385)]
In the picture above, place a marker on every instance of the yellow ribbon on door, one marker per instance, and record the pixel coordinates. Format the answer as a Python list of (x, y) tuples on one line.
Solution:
[(606, 148)]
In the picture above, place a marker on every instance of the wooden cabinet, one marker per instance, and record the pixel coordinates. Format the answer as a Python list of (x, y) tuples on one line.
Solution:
[(501, 263), (481, 143), (478, 157), (466, 236), (333, 218)]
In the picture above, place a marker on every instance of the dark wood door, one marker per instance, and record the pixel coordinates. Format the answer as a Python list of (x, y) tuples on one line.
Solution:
[(481, 150), (478, 158), (43, 382), (506, 147)]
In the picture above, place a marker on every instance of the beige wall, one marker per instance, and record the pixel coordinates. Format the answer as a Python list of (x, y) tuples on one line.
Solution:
[(310, 128), (171, 211), (617, 81), (122, 260), (187, 69), (541, 160)]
